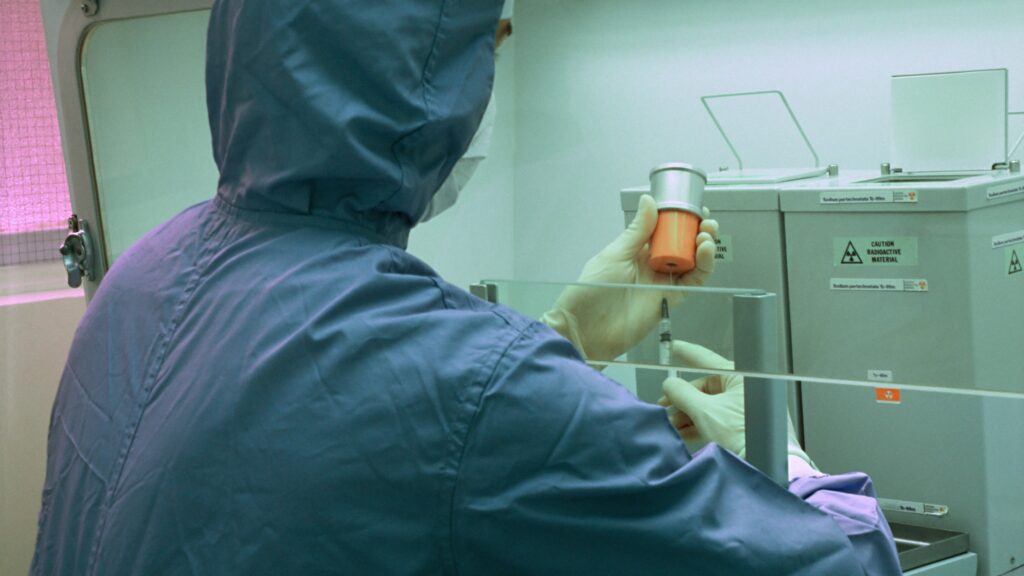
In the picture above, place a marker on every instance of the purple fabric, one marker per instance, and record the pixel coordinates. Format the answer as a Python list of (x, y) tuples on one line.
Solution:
[(850, 500)]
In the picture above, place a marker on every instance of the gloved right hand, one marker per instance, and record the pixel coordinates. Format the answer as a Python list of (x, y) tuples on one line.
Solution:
[(603, 323), (712, 408)]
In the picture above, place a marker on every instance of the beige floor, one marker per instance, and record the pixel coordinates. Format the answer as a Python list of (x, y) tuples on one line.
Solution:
[(34, 340)]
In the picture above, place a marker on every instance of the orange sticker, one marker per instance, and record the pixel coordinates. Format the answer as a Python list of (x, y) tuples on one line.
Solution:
[(888, 395)]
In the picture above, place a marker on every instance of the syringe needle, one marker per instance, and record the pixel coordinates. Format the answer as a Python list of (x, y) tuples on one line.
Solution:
[(665, 340)]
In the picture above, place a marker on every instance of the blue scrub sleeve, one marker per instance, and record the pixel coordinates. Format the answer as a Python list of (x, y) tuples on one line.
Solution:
[(564, 472)]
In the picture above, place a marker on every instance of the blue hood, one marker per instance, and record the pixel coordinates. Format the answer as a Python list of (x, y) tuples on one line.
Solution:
[(350, 110)]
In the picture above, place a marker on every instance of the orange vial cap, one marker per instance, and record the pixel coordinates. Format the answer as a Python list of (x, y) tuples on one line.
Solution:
[(674, 243)]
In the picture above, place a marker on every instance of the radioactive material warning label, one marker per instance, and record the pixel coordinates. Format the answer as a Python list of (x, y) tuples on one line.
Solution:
[(880, 284), (887, 395), (1005, 190), (723, 248), (875, 251), (850, 254), (869, 197), (1013, 261)]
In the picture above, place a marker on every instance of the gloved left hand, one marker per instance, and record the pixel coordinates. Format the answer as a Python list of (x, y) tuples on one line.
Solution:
[(711, 409), (603, 323)]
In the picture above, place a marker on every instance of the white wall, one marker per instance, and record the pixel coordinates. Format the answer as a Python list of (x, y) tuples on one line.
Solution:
[(472, 240), (34, 341), (606, 89)]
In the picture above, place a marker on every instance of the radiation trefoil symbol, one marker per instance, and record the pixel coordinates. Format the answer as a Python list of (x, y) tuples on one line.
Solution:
[(851, 256)]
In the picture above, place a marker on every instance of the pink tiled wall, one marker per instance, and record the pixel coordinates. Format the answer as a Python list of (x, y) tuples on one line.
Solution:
[(33, 186)]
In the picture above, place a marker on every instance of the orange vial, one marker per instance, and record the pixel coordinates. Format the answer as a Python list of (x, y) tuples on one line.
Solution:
[(678, 190)]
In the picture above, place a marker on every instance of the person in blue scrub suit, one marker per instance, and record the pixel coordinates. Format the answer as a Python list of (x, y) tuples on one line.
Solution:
[(269, 383)]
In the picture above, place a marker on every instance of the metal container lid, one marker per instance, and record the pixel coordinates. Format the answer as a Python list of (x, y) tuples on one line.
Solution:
[(678, 186), (679, 166)]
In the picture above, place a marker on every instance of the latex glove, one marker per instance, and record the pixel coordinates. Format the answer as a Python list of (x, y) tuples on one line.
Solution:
[(711, 409), (603, 323)]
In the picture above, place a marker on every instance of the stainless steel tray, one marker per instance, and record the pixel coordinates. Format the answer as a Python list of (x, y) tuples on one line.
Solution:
[(918, 546)]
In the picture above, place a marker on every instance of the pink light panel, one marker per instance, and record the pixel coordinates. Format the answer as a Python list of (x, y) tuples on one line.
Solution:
[(33, 186)]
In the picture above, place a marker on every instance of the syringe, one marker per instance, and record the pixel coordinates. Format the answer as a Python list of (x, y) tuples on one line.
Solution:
[(665, 346), (665, 340)]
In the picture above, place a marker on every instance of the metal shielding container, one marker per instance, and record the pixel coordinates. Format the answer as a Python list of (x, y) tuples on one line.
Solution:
[(678, 186)]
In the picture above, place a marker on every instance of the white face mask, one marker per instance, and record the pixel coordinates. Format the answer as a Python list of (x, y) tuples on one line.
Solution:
[(449, 191)]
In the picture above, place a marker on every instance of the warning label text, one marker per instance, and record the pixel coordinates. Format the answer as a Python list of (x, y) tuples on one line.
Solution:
[(869, 197), (723, 248), (1004, 240), (1004, 191), (880, 284), (895, 251)]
